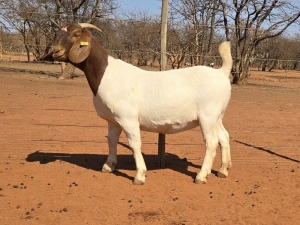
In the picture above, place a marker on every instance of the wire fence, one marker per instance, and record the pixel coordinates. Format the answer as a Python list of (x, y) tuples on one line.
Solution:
[(151, 58)]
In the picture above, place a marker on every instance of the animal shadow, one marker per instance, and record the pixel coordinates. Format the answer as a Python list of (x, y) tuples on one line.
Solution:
[(125, 162)]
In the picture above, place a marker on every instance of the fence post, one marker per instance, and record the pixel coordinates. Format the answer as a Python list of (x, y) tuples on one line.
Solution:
[(163, 63), (1, 44)]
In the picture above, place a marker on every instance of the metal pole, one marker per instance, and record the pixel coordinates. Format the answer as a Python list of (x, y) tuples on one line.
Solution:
[(163, 63)]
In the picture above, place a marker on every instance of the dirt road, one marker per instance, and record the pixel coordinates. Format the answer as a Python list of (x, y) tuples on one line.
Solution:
[(53, 145)]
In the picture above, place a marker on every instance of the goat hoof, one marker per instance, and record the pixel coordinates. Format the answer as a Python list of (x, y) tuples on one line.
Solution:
[(107, 169), (137, 182), (198, 181), (221, 175)]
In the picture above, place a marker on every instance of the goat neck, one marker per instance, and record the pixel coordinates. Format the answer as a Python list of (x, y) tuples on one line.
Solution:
[(94, 66)]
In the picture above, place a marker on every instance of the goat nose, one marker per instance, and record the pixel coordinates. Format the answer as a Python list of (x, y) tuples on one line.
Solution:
[(56, 49)]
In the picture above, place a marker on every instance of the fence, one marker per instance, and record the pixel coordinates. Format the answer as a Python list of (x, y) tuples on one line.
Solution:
[(152, 59)]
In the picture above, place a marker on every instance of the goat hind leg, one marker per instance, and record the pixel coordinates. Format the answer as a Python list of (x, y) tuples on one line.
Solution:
[(225, 151), (211, 142)]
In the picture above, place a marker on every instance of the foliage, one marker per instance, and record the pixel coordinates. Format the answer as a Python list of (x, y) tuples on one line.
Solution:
[(37, 20), (195, 28)]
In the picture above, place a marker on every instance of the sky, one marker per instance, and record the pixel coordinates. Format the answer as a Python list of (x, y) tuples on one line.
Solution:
[(153, 7)]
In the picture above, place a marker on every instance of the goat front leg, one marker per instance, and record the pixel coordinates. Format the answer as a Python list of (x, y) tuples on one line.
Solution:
[(132, 132), (114, 131)]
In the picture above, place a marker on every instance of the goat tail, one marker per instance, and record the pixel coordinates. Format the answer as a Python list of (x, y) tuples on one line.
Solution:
[(224, 50)]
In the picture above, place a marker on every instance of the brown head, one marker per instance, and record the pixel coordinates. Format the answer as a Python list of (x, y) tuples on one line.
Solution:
[(72, 43)]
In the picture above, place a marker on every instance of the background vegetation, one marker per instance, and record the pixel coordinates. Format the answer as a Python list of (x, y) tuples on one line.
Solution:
[(257, 29)]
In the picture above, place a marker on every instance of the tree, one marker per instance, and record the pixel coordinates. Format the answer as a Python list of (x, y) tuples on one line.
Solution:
[(278, 53), (200, 18), (36, 20), (136, 37), (254, 22)]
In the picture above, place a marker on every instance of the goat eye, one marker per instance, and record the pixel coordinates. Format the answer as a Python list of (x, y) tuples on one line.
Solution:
[(77, 34)]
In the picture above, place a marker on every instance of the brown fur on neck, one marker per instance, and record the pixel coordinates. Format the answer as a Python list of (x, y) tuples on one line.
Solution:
[(95, 65)]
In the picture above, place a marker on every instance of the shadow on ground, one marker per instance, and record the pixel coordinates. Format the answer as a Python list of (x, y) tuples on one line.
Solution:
[(268, 151), (125, 162)]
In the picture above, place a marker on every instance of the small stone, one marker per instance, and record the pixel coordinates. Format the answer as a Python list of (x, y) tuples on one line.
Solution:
[(65, 210), (28, 217)]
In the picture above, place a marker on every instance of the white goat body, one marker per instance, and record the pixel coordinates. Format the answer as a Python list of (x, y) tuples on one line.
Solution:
[(163, 102), (132, 99)]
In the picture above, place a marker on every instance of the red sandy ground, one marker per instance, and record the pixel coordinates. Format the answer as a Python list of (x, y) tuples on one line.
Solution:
[(53, 145)]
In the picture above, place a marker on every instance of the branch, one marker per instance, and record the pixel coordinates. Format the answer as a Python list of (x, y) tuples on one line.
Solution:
[(297, 16), (75, 9), (266, 13), (258, 12), (225, 19)]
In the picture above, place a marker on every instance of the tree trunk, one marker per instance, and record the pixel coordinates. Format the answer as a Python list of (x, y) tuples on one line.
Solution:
[(67, 71), (28, 53)]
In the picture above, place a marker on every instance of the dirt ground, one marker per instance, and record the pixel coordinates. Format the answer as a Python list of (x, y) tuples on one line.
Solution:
[(53, 146)]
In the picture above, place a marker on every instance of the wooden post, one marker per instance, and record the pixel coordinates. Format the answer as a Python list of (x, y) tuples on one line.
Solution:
[(1, 44), (163, 63)]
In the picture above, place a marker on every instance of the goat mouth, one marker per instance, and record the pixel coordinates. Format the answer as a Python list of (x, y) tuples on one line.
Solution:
[(59, 57)]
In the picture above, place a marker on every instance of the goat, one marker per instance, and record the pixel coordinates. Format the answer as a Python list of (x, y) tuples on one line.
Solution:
[(131, 99)]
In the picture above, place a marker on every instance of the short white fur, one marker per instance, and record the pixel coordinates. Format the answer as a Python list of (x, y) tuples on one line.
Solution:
[(132, 99)]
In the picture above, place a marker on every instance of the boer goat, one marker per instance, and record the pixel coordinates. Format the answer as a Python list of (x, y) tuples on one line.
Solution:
[(131, 99)]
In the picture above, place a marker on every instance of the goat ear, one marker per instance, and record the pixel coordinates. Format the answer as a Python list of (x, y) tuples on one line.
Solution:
[(81, 48)]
